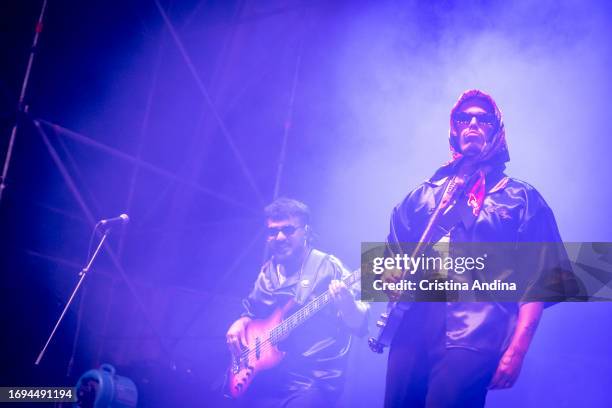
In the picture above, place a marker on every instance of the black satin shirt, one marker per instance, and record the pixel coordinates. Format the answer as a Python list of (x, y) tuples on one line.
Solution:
[(512, 211)]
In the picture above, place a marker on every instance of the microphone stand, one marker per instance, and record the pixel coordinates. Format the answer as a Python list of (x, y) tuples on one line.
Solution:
[(82, 275)]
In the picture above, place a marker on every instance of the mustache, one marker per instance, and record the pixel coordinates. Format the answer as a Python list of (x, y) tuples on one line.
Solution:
[(474, 134), (279, 245)]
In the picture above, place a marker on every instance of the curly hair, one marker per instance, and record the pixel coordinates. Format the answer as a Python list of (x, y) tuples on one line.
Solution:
[(284, 207)]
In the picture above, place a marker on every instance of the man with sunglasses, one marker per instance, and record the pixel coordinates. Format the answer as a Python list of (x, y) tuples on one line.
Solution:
[(312, 371), (448, 354)]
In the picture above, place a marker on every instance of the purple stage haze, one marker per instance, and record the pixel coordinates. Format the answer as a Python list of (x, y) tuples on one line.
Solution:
[(190, 120)]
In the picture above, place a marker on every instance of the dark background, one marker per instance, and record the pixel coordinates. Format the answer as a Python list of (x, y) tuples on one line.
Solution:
[(181, 123)]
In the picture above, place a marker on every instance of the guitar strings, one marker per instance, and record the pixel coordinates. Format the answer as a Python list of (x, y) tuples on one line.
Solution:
[(267, 343)]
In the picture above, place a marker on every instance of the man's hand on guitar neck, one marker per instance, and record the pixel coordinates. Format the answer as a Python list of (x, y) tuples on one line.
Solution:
[(352, 312), (236, 336)]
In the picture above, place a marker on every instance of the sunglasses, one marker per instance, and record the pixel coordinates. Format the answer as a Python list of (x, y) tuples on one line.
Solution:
[(486, 119), (287, 230)]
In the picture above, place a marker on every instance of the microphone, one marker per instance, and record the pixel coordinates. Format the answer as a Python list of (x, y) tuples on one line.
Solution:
[(112, 222)]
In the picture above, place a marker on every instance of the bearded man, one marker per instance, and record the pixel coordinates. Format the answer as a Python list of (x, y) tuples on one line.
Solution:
[(312, 372)]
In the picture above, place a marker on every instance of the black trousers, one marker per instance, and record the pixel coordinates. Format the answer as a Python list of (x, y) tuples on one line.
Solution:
[(279, 389), (423, 372), (313, 397)]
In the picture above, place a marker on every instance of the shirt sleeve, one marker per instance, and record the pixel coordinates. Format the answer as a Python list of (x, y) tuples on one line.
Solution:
[(551, 278), (342, 273)]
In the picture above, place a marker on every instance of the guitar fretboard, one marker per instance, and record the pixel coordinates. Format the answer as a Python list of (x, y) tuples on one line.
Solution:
[(285, 327)]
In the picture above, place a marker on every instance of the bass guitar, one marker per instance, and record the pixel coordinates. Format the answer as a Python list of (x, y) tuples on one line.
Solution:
[(264, 335), (389, 322)]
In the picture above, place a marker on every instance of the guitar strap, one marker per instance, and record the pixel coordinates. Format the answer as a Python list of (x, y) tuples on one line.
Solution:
[(459, 211), (310, 273)]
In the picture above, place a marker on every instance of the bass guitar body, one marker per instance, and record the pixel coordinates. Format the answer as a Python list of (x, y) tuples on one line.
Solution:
[(259, 354)]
